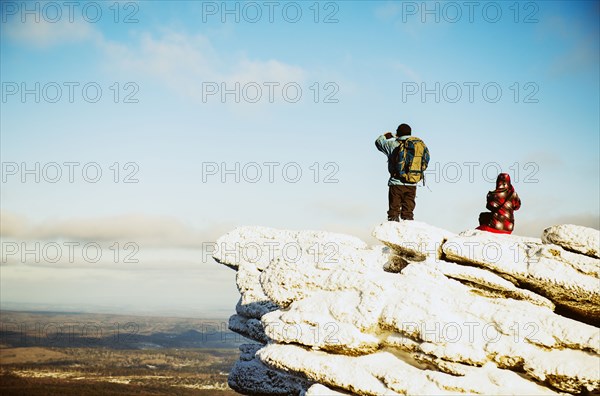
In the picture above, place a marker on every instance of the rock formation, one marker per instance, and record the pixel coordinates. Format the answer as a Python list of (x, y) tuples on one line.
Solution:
[(428, 312)]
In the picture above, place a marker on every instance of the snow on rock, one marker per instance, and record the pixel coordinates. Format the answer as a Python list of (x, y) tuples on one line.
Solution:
[(570, 280), (412, 240), (259, 245), (460, 314), (248, 327), (443, 316), (322, 390), (575, 238), (488, 283), (253, 302), (251, 376), (387, 373)]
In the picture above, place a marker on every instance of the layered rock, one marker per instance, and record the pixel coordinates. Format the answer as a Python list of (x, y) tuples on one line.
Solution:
[(412, 240), (430, 312), (575, 238), (570, 280), (251, 376)]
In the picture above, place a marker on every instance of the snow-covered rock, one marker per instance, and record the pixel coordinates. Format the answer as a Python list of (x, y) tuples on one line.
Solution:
[(434, 313), (251, 376), (387, 372), (575, 238), (570, 280), (257, 246), (322, 390), (412, 240), (248, 327)]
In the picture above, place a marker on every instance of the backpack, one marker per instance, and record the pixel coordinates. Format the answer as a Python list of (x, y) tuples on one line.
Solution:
[(411, 159)]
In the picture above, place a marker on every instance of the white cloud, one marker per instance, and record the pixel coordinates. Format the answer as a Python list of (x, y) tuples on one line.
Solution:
[(163, 231), (44, 34), (195, 286), (168, 271), (12, 225), (184, 62)]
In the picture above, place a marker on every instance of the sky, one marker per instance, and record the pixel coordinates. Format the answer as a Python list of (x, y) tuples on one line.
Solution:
[(135, 133)]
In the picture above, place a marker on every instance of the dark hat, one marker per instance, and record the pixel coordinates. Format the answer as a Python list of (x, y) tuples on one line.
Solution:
[(403, 130)]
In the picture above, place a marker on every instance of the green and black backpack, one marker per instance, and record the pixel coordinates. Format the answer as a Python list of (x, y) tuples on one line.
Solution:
[(411, 158)]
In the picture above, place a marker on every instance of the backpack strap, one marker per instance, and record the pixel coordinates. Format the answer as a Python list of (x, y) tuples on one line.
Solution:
[(396, 156)]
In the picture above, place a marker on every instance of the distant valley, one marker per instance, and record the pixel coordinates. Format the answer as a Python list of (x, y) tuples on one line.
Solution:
[(47, 353)]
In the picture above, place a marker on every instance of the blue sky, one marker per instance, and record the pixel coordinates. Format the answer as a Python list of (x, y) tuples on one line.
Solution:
[(510, 86)]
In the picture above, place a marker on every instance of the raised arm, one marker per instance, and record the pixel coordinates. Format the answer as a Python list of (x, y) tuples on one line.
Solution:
[(385, 143)]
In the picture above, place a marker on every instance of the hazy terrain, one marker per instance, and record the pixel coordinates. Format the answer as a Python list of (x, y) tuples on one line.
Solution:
[(53, 353)]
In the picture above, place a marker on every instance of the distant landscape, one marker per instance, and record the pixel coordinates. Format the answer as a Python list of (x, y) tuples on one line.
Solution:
[(57, 353)]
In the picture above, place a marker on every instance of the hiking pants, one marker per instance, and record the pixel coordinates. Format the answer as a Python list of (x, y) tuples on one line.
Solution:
[(401, 202)]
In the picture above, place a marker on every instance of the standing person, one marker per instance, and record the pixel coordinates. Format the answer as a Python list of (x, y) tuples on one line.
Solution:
[(502, 202), (407, 158)]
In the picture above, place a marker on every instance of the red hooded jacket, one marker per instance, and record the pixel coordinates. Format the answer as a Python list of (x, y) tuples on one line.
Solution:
[(502, 202)]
